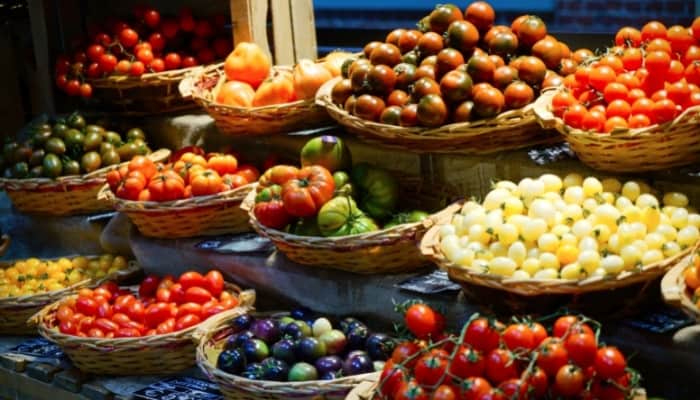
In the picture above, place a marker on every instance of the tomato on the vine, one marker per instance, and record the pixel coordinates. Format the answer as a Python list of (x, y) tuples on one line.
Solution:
[(410, 390), (467, 362), (569, 380), (610, 363), (403, 351), (483, 334), (422, 321), (501, 365), (582, 348), (430, 369), (518, 336)]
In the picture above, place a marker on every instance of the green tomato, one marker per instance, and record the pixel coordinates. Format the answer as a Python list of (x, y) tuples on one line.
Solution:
[(41, 136), (327, 151), (341, 217), (37, 157), (36, 171), (20, 170), (305, 227), (379, 190), (127, 151), (343, 186), (106, 146), (113, 138), (141, 147), (407, 218), (76, 121), (93, 141), (302, 372), (9, 150), (91, 161), (52, 165), (56, 146), (74, 138), (94, 128), (59, 130), (110, 157), (135, 133), (71, 167)]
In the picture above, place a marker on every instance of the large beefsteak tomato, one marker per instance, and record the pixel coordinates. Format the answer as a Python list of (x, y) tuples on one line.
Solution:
[(379, 190), (341, 217), (269, 209), (304, 195)]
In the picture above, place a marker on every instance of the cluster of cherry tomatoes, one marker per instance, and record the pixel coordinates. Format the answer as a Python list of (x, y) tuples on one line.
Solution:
[(649, 77), (192, 173), (162, 306), (691, 276), (490, 360), (457, 67), (147, 43)]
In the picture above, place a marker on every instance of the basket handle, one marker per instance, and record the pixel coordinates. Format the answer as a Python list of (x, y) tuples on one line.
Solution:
[(4, 243), (671, 289), (541, 107), (323, 94), (246, 300), (443, 216)]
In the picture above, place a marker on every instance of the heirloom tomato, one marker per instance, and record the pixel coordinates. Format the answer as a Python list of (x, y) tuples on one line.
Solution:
[(340, 217), (277, 89), (379, 190), (310, 189), (277, 175), (269, 209), (166, 186), (205, 183)]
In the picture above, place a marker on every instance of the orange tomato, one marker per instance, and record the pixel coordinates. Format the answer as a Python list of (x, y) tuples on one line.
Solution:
[(144, 165), (249, 172), (235, 93), (615, 123), (653, 30), (223, 164), (628, 37), (692, 280), (638, 121), (205, 183), (308, 76), (277, 89), (166, 187), (247, 63)]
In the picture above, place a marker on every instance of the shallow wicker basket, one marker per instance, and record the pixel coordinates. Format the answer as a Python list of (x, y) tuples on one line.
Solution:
[(508, 131), (674, 291), (212, 337), (392, 250), (203, 86), (593, 295), (197, 216), (65, 195), (654, 148), (148, 355), (16, 311), (151, 93)]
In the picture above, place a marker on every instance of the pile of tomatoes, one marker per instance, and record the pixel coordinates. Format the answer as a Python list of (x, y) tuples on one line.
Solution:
[(457, 67), (649, 77), (251, 81), (163, 305), (190, 174), (146, 43), (490, 360), (691, 276)]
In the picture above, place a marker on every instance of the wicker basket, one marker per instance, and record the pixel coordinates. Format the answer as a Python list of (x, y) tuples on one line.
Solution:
[(674, 290), (151, 93), (65, 195), (16, 311), (653, 148), (508, 131), (392, 250), (212, 337), (204, 85), (148, 355), (593, 295), (197, 216)]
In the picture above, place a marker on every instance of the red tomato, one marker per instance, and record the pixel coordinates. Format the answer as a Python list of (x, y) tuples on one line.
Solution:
[(610, 363), (423, 321), (86, 306), (135, 325), (214, 282), (64, 313), (569, 380), (211, 308), (189, 308), (515, 389), (191, 279), (391, 377), (538, 381), (104, 310), (403, 351), (106, 325), (472, 388), (149, 286), (136, 311), (569, 322), (444, 392), (500, 366), (197, 295), (538, 332), (410, 390), (68, 327), (157, 313), (552, 356), (582, 348), (122, 303), (482, 334), (166, 282), (121, 319), (187, 321), (127, 332), (110, 286), (177, 293), (163, 295), (166, 326), (519, 336), (229, 303), (467, 362), (95, 333), (85, 324), (106, 294)]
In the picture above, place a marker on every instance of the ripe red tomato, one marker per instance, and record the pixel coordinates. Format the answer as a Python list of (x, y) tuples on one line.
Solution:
[(106, 325), (191, 279), (85, 324), (500, 366), (121, 319), (582, 348), (187, 321), (127, 332), (467, 362), (574, 115), (610, 363), (136, 311), (137, 68), (483, 334), (151, 18), (72, 87), (410, 390), (104, 310), (163, 295), (197, 295), (68, 327), (403, 351), (128, 37), (86, 306), (569, 380), (157, 65), (518, 336), (64, 313), (423, 321), (211, 308), (538, 332), (145, 56), (664, 110), (538, 382), (189, 308), (515, 389), (95, 52), (172, 61), (149, 286), (157, 313), (444, 392), (391, 377), (122, 303), (552, 356), (569, 322), (166, 326), (214, 282), (177, 293), (95, 333), (188, 62)]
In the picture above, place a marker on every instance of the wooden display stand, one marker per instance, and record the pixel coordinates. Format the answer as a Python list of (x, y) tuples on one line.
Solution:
[(293, 28)]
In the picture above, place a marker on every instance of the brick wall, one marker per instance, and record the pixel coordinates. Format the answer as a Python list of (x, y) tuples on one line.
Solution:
[(583, 16)]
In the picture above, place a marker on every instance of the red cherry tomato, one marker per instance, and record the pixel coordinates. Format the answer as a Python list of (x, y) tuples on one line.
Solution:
[(95, 333), (473, 388), (538, 332), (106, 325), (191, 279), (500, 366), (157, 313), (86, 306), (122, 303), (85, 324), (127, 332), (610, 363), (136, 311), (151, 18), (68, 327), (467, 362), (177, 293), (121, 319), (482, 334), (423, 321), (187, 321), (582, 348), (166, 282), (189, 308), (519, 336), (552, 356), (214, 282), (163, 295), (197, 295), (64, 313), (404, 351), (211, 308), (568, 323), (110, 286), (104, 310), (167, 326)]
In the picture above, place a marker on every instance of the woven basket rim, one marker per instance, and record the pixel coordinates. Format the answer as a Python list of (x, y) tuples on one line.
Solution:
[(229, 196), (457, 130), (673, 289), (430, 248), (367, 239), (546, 118), (56, 295), (174, 75), (207, 336), (92, 178), (246, 300)]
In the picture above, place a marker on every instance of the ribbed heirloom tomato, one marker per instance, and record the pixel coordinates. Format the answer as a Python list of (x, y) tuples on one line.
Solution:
[(310, 189)]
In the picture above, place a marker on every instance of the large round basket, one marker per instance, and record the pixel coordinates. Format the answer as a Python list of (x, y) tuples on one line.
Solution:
[(654, 148), (392, 250), (204, 85), (65, 195), (151, 93), (674, 290), (148, 355), (197, 216), (212, 338), (16, 311), (508, 131), (594, 295)]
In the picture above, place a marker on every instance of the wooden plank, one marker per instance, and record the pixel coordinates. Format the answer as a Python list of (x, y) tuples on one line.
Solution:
[(43, 71), (282, 32), (249, 19), (304, 27)]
